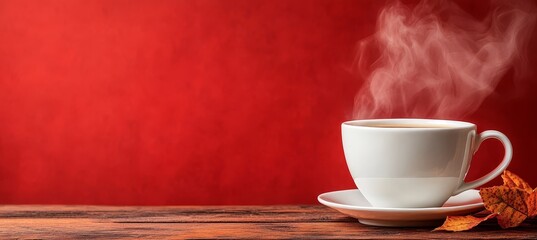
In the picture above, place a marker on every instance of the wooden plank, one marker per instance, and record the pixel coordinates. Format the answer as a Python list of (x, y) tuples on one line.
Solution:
[(89, 228), (231, 222), (179, 214)]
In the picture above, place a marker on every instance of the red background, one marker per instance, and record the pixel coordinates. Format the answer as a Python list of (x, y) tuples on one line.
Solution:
[(197, 102)]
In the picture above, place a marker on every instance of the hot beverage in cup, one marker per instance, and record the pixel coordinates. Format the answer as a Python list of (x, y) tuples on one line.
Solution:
[(414, 163)]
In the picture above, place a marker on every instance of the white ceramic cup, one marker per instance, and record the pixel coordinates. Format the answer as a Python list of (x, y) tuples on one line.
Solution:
[(414, 163)]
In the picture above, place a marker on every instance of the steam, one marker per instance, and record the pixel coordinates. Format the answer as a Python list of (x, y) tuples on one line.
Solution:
[(437, 61)]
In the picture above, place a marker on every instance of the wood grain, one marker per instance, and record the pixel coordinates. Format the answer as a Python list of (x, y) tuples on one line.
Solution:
[(209, 222)]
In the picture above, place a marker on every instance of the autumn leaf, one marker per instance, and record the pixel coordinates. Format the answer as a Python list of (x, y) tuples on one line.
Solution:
[(508, 203), (462, 223), (513, 181), (531, 202), (511, 204)]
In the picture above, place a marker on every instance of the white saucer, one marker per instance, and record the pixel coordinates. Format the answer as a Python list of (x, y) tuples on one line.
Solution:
[(353, 203)]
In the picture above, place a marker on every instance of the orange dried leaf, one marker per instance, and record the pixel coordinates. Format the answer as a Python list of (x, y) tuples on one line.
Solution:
[(512, 180), (531, 202), (508, 203), (462, 223)]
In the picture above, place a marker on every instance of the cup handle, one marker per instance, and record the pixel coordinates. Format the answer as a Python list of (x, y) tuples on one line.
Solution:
[(499, 169)]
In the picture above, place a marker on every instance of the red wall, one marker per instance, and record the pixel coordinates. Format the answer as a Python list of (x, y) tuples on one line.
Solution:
[(197, 102)]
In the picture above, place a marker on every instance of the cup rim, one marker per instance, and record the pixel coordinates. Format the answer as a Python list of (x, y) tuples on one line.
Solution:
[(449, 124)]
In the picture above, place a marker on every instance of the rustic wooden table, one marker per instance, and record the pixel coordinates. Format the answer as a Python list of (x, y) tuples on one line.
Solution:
[(209, 222)]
